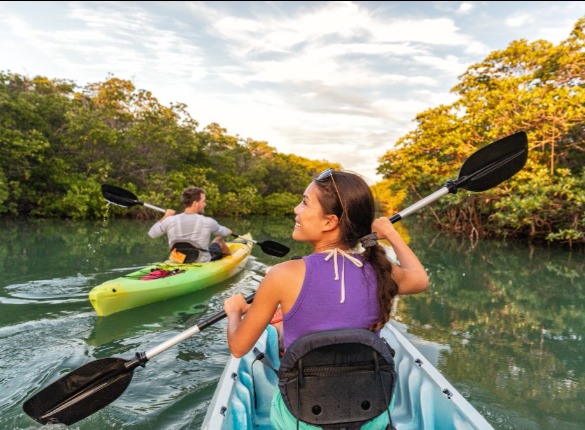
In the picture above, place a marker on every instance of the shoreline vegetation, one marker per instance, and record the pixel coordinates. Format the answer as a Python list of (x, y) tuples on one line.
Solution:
[(60, 142)]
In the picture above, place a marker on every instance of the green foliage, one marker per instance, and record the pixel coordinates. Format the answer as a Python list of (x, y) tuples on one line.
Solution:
[(281, 204), (244, 202), (31, 112), (389, 202), (81, 201), (535, 87), (545, 206), (59, 143)]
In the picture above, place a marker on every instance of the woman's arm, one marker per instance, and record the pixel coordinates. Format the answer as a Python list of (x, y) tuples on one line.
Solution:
[(246, 322), (410, 275)]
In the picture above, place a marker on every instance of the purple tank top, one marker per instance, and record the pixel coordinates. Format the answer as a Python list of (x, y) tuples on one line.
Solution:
[(318, 305)]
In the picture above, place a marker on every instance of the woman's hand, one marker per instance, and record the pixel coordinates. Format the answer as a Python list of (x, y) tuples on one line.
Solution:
[(410, 276), (236, 304), (383, 228)]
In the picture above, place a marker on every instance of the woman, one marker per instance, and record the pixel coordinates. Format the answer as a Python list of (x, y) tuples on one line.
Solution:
[(335, 286)]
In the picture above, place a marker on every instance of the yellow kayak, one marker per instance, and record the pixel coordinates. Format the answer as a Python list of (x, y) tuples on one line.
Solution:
[(166, 280)]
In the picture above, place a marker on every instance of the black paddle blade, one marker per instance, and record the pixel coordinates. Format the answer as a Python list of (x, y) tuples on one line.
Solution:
[(119, 196), (81, 392), (494, 163), (274, 248)]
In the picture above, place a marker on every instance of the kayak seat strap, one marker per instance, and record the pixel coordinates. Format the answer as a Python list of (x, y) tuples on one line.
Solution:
[(261, 357), (338, 379)]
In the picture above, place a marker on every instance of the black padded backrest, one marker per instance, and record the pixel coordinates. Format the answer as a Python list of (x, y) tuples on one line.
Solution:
[(337, 378), (191, 252)]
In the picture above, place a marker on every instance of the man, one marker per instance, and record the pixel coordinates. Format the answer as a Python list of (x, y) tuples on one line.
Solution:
[(193, 228)]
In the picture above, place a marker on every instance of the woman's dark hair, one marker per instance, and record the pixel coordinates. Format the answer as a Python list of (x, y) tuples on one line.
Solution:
[(348, 196), (190, 195)]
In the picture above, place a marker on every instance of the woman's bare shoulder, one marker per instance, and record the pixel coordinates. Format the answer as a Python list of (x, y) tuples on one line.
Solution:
[(285, 281), (287, 268)]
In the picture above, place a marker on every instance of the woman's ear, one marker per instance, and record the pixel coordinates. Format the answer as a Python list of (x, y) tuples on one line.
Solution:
[(331, 222)]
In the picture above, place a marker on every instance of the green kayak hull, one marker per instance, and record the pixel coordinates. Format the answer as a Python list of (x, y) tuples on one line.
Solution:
[(130, 291)]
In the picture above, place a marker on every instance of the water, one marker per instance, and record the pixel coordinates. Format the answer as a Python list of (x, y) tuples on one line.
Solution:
[(503, 322)]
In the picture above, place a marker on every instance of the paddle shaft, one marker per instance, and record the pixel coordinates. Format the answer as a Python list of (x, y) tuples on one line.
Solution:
[(269, 246), (156, 208), (245, 238), (420, 204), (190, 332)]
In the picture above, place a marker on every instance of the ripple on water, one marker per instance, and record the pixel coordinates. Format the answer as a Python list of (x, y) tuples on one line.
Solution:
[(35, 353), (56, 290)]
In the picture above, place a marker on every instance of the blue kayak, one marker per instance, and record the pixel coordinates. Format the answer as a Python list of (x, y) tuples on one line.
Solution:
[(424, 398)]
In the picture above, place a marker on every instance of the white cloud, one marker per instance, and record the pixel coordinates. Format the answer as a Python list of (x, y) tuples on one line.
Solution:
[(328, 80), (465, 8)]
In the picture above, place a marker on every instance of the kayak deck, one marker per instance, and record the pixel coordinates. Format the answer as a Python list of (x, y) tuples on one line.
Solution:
[(424, 398), (130, 291)]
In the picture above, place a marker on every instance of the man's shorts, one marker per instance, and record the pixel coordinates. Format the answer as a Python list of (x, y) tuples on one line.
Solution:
[(215, 251)]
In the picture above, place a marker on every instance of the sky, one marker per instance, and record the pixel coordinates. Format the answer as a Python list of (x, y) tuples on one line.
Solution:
[(338, 81)]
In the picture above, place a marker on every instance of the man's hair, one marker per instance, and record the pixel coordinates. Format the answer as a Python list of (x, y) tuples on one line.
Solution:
[(190, 195)]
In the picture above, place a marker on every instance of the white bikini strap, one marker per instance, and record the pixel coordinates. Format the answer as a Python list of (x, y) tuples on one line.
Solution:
[(333, 253)]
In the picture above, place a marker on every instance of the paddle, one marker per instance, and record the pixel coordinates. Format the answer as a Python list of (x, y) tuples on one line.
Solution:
[(484, 169), (121, 197), (93, 386), (268, 246)]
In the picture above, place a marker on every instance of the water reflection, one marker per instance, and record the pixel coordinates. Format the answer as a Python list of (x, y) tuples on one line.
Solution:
[(513, 318)]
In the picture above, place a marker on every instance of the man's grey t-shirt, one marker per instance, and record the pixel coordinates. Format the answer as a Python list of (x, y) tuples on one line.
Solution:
[(195, 229)]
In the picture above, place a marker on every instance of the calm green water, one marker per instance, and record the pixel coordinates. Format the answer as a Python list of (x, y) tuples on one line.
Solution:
[(503, 322)]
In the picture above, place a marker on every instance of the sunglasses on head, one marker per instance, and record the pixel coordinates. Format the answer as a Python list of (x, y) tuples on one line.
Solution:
[(326, 174)]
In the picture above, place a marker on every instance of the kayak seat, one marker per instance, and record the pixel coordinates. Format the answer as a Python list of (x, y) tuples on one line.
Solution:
[(190, 252), (338, 379)]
